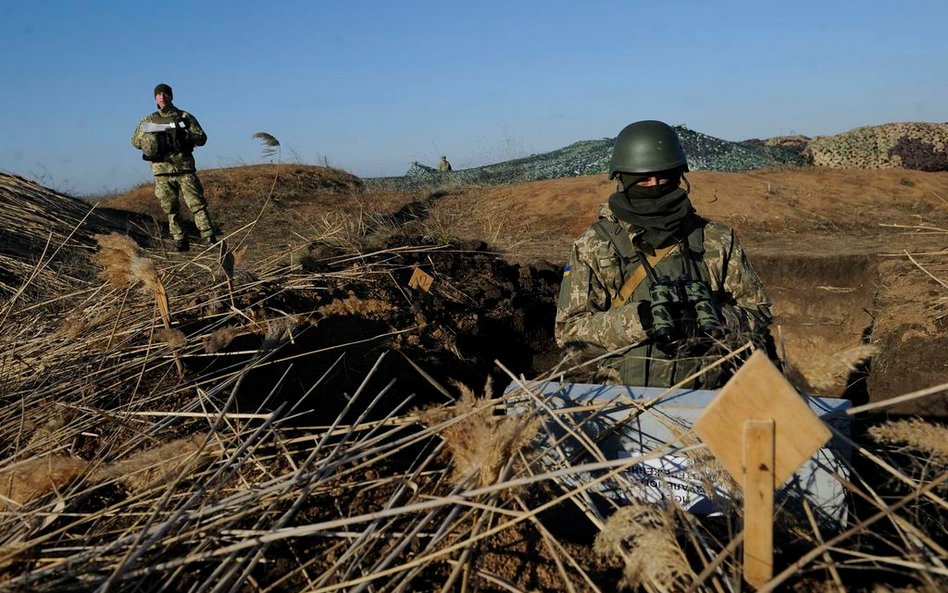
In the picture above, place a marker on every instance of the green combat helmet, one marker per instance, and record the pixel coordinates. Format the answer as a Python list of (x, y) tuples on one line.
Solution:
[(646, 147)]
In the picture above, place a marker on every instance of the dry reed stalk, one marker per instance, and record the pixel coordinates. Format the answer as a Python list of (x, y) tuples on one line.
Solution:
[(823, 374), (643, 537), (353, 305), (32, 212), (557, 551), (123, 267), (480, 443), (888, 467), (610, 469), (162, 533), (917, 434), (151, 467), (927, 272), (830, 563), (788, 572)]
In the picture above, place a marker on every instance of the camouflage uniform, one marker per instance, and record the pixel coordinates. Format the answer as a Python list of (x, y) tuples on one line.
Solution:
[(585, 318), (444, 166), (175, 173)]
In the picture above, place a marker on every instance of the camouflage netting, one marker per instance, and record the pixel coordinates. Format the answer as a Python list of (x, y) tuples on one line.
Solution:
[(707, 153), (587, 157), (591, 157), (920, 146), (795, 143)]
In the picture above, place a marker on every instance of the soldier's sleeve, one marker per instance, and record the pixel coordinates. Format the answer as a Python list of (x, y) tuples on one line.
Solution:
[(195, 131), (583, 316), (137, 136), (742, 281)]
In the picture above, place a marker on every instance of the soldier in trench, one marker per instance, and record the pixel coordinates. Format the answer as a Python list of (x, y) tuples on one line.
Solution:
[(653, 287), (167, 139)]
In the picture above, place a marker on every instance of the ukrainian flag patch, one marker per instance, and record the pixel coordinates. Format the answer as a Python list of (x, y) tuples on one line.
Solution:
[(566, 270)]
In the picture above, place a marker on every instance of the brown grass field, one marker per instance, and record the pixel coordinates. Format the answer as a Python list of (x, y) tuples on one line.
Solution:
[(285, 413)]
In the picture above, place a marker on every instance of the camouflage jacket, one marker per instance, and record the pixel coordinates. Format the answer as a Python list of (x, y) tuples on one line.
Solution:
[(592, 278), (181, 161)]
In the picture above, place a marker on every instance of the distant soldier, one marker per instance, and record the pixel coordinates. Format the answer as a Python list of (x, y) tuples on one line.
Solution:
[(167, 139), (664, 290), (444, 166)]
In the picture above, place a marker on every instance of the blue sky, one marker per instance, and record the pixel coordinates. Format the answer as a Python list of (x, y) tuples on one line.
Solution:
[(371, 86)]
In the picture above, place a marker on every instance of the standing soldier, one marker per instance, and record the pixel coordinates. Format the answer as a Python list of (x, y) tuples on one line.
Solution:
[(167, 139), (444, 166), (653, 286)]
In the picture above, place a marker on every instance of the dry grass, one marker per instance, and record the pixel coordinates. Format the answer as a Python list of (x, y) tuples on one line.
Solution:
[(122, 265), (30, 479), (824, 374), (44, 475), (220, 339), (643, 538), (927, 437), (159, 465), (481, 444), (353, 305), (46, 239)]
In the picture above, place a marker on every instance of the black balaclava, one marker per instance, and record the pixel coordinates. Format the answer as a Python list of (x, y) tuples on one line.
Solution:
[(662, 212)]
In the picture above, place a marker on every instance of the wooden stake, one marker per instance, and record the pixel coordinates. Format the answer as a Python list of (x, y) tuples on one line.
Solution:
[(758, 501)]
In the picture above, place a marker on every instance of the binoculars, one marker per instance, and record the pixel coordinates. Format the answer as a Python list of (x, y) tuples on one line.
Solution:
[(676, 303)]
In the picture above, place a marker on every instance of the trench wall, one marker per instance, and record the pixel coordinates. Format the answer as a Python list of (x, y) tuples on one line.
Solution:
[(826, 304)]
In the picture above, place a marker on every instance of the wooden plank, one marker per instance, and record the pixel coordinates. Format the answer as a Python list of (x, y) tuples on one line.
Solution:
[(758, 501), (759, 392)]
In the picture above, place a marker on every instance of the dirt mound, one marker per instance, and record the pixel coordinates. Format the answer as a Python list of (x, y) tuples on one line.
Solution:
[(921, 146), (268, 208), (47, 237), (233, 186)]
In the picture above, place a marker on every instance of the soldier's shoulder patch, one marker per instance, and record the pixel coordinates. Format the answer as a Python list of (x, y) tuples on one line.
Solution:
[(566, 270)]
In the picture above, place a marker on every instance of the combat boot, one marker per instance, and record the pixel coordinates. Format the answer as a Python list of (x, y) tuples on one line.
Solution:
[(210, 240), (181, 245)]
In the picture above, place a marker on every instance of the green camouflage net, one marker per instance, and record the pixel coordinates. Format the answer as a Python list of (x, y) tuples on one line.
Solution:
[(591, 157)]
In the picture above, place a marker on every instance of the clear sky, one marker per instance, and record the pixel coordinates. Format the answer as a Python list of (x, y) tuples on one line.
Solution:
[(371, 86)]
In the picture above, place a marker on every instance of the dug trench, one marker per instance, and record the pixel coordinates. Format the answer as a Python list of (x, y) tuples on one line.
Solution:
[(485, 320), (364, 328)]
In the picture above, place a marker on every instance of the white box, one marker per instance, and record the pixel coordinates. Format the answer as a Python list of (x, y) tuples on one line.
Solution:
[(608, 417)]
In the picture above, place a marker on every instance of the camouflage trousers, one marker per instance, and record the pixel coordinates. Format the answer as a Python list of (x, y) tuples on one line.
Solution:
[(186, 186)]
